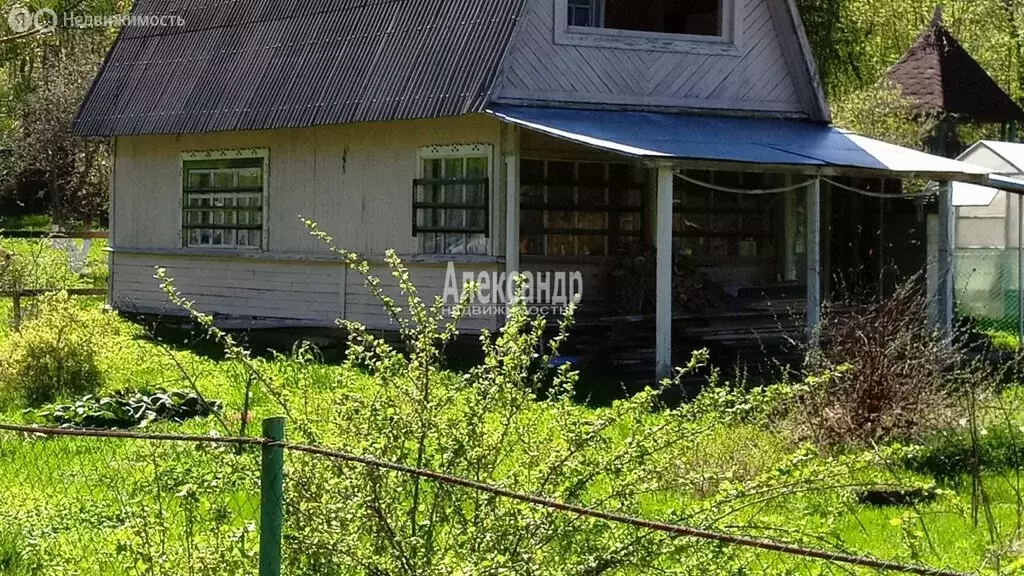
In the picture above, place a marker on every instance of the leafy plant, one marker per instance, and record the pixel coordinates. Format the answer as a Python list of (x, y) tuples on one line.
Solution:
[(507, 423), (54, 355), (126, 409)]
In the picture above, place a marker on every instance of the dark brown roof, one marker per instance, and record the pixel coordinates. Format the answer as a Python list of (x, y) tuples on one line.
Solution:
[(265, 64), (939, 76)]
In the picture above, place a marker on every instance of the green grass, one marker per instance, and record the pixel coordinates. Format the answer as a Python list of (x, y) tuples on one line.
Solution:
[(35, 222), (89, 506), (40, 265), (1004, 339)]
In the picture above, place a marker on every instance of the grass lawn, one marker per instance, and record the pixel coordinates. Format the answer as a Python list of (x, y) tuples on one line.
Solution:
[(94, 506)]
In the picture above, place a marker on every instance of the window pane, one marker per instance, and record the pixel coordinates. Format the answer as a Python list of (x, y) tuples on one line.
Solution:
[(433, 168), (583, 13), (561, 219), (532, 172), (592, 197), (250, 178), (591, 174), (199, 180), (694, 17), (453, 168), (562, 173), (478, 244), (592, 245), (631, 222), (469, 201), (532, 195), (224, 179), (476, 167), (593, 221), (561, 245), (532, 219), (533, 245)]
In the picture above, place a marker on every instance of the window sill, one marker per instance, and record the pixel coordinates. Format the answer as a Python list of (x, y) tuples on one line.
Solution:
[(645, 41), (267, 256)]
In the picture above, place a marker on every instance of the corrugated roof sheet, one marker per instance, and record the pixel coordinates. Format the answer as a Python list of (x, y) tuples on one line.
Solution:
[(266, 64), (939, 76), (737, 139)]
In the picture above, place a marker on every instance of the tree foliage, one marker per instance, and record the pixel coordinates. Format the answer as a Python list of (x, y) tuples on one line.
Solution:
[(855, 43), (44, 75)]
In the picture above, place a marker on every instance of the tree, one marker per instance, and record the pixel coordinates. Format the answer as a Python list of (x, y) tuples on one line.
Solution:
[(46, 75)]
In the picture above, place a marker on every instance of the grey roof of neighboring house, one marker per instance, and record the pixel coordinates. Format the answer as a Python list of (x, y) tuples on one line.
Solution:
[(267, 64)]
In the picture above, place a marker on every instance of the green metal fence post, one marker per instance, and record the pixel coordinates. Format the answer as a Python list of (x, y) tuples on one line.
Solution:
[(271, 498)]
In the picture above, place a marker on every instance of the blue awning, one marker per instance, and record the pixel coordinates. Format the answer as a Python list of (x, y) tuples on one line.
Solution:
[(814, 147)]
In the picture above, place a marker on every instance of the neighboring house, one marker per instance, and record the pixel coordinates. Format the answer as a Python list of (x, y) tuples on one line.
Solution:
[(498, 135), (988, 231)]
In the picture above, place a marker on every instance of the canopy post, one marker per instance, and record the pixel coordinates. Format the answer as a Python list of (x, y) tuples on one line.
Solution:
[(663, 340), (1020, 269), (813, 260), (512, 194), (945, 264)]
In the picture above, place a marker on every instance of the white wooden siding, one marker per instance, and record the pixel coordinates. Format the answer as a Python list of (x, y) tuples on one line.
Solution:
[(313, 292), (758, 77), (995, 225), (286, 292), (355, 181)]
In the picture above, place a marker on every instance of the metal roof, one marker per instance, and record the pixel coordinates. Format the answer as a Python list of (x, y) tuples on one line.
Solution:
[(1011, 152), (267, 64), (817, 147)]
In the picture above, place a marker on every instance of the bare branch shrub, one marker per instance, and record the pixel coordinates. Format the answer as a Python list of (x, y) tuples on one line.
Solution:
[(881, 372)]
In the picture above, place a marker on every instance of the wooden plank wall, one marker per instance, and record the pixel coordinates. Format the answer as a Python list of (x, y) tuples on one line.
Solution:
[(355, 181), (757, 77), (284, 293)]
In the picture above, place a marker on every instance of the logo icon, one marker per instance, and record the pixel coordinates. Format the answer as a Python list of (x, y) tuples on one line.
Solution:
[(20, 20), (46, 20)]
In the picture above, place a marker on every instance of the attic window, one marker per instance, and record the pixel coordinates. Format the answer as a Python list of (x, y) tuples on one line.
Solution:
[(677, 17)]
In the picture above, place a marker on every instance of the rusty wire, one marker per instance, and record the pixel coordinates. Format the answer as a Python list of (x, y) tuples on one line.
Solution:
[(671, 529)]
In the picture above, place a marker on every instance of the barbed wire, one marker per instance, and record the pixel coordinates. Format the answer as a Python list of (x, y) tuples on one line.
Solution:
[(671, 529)]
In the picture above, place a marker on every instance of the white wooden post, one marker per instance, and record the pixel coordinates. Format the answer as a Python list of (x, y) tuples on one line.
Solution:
[(663, 342), (1020, 268), (512, 248), (945, 263), (813, 259)]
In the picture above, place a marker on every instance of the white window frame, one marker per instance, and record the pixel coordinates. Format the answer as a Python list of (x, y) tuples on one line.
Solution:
[(240, 153), (727, 43), (461, 151)]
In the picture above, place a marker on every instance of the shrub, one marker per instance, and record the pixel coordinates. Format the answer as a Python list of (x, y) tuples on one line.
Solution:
[(54, 355), (35, 264), (512, 422), (952, 455), (881, 372)]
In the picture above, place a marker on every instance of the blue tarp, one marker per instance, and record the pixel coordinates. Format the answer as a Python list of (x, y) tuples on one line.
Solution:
[(735, 139)]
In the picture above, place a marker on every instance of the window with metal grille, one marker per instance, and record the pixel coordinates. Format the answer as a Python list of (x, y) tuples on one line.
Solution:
[(451, 200), (223, 202)]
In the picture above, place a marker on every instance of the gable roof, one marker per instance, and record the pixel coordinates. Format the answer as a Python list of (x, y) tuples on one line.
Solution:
[(267, 64), (1012, 153), (939, 76)]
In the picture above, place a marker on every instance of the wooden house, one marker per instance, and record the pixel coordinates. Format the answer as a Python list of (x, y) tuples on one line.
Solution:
[(674, 156)]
